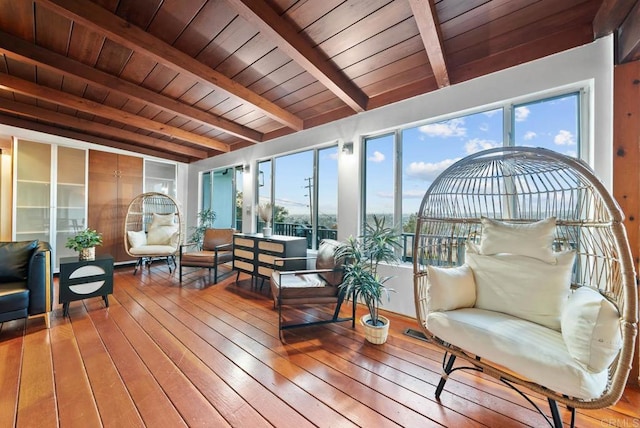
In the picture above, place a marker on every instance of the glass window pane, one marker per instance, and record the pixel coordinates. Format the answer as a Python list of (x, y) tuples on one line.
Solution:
[(379, 178), (293, 195), (264, 188), (327, 180), (552, 123)]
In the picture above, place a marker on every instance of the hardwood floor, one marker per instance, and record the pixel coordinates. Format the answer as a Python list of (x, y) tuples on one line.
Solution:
[(166, 356)]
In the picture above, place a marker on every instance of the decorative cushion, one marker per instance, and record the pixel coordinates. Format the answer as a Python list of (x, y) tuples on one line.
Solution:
[(532, 240), (326, 260), (162, 220), (137, 239), (591, 329), (450, 288), (522, 286), (161, 235), (14, 260)]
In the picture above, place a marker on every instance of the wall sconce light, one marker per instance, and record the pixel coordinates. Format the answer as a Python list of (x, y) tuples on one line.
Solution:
[(347, 148)]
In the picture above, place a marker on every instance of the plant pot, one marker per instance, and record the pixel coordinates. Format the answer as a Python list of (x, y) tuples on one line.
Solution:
[(266, 231), (375, 334), (87, 254)]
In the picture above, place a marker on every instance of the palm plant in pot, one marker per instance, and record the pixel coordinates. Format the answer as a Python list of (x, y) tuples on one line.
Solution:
[(361, 280), (85, 243)]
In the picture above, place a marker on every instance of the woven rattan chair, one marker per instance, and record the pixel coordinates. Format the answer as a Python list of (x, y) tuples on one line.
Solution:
[(522, 186), (153, 229)]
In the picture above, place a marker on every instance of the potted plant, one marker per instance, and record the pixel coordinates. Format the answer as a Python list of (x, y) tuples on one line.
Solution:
[(206, 218), (361, 280), (85, 243), (265, 211)]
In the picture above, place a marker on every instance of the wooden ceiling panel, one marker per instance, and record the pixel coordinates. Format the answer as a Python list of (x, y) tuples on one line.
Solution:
[(85, 45), (387, 39), (450, 9), (173, 18), (385, 18), (207, 24), (17, 18), (138, 12), (341, 17), (197, 78)]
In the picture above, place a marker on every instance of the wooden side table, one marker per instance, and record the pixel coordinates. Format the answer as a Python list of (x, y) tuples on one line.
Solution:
[(81, 279)]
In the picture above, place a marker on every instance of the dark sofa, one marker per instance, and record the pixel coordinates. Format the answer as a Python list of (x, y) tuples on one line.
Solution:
[(26, 280)]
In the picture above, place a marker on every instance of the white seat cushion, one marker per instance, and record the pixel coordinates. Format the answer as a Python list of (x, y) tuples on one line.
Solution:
[(450, 288), (529, 349), (529, 239), (301, 281), (153, 250)]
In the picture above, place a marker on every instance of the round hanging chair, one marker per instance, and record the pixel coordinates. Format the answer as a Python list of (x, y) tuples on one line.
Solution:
[(153, 229), (521, 186)]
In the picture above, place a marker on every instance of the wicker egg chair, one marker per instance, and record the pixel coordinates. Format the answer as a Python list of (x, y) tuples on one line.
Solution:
[(523, 185), (153, 229)]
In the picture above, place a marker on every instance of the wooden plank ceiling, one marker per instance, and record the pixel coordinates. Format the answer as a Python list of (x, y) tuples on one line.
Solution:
[(191, 79)]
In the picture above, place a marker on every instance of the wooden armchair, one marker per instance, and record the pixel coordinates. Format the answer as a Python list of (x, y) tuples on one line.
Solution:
[(217, 249), (306, 287)]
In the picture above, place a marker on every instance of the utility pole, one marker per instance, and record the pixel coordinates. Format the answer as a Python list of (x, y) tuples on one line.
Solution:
[(309, 188)]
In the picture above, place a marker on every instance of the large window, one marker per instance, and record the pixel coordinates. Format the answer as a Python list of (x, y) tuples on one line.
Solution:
[(401, 165), (221, 192), (303, 190)]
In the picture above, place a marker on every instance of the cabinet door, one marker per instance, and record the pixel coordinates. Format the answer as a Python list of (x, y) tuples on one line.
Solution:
[(71, 200), (130, 184), (32, 219), (103, 199)]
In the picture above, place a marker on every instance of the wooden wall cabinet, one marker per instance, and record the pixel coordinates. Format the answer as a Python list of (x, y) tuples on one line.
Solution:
[(114, 180)]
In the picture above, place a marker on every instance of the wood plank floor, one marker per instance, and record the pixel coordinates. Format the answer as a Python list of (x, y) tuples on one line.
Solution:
[(167, 356)]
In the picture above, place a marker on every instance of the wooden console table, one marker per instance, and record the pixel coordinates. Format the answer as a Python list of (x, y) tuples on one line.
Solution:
[(255, 254), (81, 279)]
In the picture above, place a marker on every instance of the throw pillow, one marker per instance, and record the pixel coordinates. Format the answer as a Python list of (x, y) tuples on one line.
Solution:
[(14, 260), (591, 329), (162, 220), (522, 286), (532, 240), (161, 235), (450, 288), (137, 239)]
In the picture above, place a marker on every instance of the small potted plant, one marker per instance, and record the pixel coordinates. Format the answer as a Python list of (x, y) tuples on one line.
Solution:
[(265, 211), (362, 256), (85, 243), (206, 218)]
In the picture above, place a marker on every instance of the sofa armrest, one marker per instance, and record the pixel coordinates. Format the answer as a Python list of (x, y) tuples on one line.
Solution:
[(40, 280)]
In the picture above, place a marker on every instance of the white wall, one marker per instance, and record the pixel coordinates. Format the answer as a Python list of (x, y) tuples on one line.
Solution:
[(590, 65)]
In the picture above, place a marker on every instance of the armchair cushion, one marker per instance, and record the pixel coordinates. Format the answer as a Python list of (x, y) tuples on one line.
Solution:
[(522, 286), (325, 260), (14, 260), (162, 220), (450, 288), (162, 235), (591, 329), (532, 239), (137, 239)]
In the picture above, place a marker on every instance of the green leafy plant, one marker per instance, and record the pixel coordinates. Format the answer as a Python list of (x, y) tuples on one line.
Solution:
[(206, 218), (85, 239), (362, 256)]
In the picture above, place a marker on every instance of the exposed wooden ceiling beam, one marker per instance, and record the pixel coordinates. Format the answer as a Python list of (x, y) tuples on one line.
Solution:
[(67, 133), (21, 50), (94, 127), (83, 104), (424, 13), (288, 39), (629, 37), (100, 20), (610, 16)]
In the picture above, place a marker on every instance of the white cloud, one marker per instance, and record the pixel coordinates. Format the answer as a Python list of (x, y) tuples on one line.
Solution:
[(428, 170), (476, 144), (491, 113), (564, 138), (448, 128), (530, 135), (522, 113), (413, 194), (484, 127), (376, 157)]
